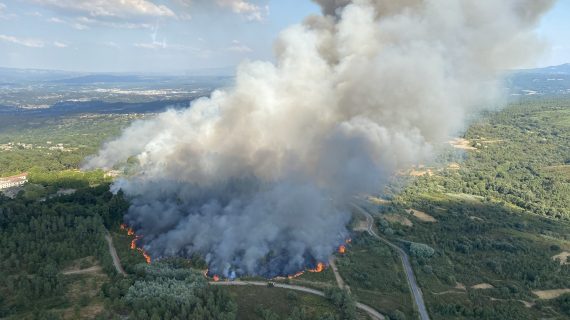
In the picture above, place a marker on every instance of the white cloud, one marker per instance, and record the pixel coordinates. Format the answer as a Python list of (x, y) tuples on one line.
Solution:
[(111, 8), (151, 45), (34, 14), (84, 22), (73, 24), (55, 20), (111, 44), (239, 47), (248, 9), (4, 15), (31, 43), (58, 44)]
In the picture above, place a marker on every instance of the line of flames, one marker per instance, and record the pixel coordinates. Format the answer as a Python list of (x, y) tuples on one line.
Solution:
[(320, 267), (131, 232)]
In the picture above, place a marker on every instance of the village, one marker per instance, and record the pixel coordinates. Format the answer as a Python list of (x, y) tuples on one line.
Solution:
[(14, 181)]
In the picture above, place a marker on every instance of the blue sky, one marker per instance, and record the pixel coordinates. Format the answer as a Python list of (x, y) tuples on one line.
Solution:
[(555, 30), (172, 35)]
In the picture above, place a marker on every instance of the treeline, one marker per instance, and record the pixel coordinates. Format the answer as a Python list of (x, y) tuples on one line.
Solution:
[(167, 290)]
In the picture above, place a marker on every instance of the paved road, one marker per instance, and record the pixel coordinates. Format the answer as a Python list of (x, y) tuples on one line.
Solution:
[(416, 291), (370, 311), (114, 255)]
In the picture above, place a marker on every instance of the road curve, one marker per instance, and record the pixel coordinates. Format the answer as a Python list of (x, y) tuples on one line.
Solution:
[(369, 310), (413, 284), (114, 255)]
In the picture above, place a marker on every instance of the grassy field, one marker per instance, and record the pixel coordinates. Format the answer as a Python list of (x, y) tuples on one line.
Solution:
[(281, 302), (375, 276)]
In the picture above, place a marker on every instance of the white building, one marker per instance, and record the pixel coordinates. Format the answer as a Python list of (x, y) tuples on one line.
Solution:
[(15, 181)]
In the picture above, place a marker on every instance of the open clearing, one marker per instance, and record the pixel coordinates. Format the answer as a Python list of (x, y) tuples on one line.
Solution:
[(95, 269), (379, 201), (463, 144), (84, 289), (560, 170), (483, 286), (454, 166), (562, 258), (422, 216), (460, 286), (550, 294), (420, 172), (394, 218)]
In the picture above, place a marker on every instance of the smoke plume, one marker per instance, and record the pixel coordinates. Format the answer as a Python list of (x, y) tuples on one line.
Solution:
[(258, 178)]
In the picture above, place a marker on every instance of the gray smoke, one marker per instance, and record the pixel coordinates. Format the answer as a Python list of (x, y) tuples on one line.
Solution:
[(258, 178)]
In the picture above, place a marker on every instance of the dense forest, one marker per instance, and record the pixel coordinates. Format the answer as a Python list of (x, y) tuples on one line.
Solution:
[(498, 217)]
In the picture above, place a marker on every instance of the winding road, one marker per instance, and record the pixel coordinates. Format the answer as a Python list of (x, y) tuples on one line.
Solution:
[(416, 291), (369, 310)]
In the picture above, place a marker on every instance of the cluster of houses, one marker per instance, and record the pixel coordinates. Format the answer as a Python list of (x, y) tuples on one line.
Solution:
[(14, 181)]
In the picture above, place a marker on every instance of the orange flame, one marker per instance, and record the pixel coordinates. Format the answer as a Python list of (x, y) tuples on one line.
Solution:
[(320, 268), (349, 240), (216, 278), (296, 275), (342, 249), (131, 232), (146, 256)]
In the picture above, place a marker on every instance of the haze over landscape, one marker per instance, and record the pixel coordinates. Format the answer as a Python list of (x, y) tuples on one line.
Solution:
[(326, 159)]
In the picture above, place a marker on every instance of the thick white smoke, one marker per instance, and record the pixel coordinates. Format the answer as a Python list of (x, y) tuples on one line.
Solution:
[(258, 178)]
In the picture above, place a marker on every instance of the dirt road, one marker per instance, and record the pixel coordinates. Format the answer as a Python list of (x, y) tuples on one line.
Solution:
[(369, 310), (339, 280), (114, 255)]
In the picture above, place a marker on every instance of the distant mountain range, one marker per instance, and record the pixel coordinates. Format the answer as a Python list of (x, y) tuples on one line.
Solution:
[(101, 78), (563, 69), (554, 80), (13, 76)]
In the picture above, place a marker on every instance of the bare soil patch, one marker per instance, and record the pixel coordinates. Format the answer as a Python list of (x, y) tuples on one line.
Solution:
[(550, 294), (562, 257), (420, 172), (84, 289), (454, 166), (422, 216), (394, 218), (527, 304), (378, 201), (463, 144), (483, 286), (95, 269)]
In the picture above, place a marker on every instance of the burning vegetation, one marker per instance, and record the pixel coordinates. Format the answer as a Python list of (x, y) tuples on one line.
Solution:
[(319, 268), (130, 233)]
